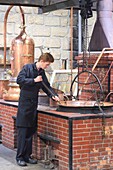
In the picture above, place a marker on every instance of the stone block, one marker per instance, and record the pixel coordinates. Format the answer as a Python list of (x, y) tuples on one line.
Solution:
[(1, 28), (59, 31), (65, 43), (39, 30), (52, 42), (35, 19), (64, 21), (61, 12), (51, 21)]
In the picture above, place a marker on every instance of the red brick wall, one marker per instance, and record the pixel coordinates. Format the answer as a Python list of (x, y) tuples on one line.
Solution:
[(8, 129), (92, 146), (58, 128), (91, 150), (101, 71)]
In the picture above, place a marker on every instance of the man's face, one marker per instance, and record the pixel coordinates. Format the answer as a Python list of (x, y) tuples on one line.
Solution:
[(45, 65)]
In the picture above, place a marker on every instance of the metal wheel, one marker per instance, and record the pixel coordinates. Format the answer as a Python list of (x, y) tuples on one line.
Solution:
[(91, 80)]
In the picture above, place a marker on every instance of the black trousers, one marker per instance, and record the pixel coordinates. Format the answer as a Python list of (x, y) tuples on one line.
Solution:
[(24, 142)]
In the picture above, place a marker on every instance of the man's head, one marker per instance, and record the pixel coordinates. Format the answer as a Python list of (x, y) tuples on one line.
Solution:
[(46, 57), (45, 60)]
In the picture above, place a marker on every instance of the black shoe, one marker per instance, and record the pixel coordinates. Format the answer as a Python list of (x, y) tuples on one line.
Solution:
[(21, 163), (31, 161)]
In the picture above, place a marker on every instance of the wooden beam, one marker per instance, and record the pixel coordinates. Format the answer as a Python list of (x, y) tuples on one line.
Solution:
[(46, 5), (31, 3), (38, 3), (61, 5)]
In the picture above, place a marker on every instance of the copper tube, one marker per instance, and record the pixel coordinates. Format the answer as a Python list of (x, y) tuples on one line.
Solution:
[(5, 29)]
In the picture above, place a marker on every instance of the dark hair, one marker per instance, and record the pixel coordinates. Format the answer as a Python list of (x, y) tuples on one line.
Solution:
[(46, 57)]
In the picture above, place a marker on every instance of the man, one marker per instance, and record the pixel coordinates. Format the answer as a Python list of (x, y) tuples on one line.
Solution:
[(30, 79)]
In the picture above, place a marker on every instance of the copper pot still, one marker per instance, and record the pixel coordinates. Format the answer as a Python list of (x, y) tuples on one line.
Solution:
[(22, 52)]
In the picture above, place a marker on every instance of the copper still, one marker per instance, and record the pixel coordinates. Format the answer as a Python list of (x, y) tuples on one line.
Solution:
[(3, 86), (22, 51)]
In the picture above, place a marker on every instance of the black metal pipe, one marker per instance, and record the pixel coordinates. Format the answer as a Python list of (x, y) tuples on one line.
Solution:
[(109, 76), (70, 144), (48, 89), (86, 82)]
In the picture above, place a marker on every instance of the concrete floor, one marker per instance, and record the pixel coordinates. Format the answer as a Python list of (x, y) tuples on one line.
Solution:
[(7, 161)]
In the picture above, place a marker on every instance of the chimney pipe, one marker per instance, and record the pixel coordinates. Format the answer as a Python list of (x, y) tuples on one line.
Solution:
[(102, 35)]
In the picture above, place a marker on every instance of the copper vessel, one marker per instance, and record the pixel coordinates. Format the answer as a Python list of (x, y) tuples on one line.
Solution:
[(85, 107), (22, 51), (12, 94), (3, 87)]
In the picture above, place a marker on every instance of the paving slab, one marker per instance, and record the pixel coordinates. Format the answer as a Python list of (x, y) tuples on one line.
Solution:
[(8, 162)]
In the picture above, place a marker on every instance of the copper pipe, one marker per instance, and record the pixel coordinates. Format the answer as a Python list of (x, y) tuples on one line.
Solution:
[(108, 95), (5, 29)]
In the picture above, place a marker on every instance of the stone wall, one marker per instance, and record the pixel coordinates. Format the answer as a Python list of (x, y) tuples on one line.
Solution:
[(49, 30)]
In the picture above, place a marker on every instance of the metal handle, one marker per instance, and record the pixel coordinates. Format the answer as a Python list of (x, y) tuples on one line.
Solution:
[(48, 89)]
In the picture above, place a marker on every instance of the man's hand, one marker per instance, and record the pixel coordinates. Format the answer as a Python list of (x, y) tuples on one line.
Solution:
[(38, 79), (56, 98)]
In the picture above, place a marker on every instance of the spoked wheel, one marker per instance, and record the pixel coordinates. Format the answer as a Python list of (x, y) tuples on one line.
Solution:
[(87, 82)]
